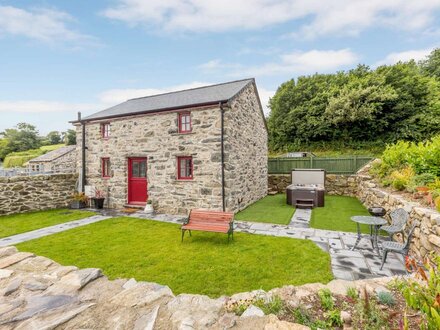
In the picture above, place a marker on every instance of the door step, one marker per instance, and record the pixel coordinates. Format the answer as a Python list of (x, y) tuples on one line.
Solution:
[(304, 203)]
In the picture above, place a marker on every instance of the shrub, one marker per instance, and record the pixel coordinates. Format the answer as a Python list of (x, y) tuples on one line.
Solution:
[(386, 298), (325, 296), (420, 180), (400, 179), (352, 293), (334, 318), (423, 293)]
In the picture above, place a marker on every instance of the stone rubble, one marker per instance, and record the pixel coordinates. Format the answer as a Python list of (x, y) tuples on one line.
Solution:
[(38, 293)]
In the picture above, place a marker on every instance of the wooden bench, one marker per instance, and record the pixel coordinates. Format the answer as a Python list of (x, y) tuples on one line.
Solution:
[(213, 221)]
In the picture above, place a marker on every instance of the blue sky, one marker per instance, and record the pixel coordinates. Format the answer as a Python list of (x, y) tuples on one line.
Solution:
[(60, 57)]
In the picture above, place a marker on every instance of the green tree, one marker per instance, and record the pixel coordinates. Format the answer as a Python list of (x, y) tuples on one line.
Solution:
[(70, 137), (21, 138), (3, 148), (431, 65), (53, 137)]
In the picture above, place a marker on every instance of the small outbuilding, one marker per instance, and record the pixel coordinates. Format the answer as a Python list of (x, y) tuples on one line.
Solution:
[(61, 160)]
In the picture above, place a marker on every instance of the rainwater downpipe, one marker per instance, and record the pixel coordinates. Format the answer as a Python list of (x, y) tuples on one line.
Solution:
[(83, 153), (222, 111)]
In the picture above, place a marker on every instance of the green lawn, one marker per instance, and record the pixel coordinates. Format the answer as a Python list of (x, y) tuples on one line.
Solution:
[(270, 209), (336, 213), (23, 222), (204, 263)]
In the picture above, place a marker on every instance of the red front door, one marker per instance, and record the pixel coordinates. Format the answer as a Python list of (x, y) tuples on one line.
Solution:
[(137, 181)]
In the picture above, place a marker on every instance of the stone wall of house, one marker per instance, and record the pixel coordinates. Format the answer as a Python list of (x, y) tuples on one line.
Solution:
[(32, 193), (246, 150), (335, 184), (66, 162), (156, 137)]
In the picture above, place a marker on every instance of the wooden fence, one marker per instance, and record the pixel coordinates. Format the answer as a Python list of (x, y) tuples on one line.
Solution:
[(340, 165)]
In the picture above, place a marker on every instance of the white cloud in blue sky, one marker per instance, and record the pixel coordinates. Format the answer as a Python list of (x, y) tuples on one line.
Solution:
[(51, 66)]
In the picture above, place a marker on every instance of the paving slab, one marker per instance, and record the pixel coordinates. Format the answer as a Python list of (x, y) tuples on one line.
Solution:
[(30, 235)]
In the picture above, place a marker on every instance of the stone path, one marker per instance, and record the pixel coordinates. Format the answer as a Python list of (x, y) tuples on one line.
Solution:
[(12, 240), (301, 218)]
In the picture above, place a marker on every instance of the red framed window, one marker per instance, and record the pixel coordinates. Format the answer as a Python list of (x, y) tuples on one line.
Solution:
[(105, 130), (184, 168), (105, 167), (184, 122)]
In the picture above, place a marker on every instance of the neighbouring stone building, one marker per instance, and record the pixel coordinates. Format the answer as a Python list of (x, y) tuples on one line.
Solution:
[(198, 148), (60, 160)]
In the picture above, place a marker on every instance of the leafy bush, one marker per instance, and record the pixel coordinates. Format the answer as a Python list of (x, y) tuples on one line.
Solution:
[(400, 179), (352, 293), (423, 293), (325, 296), (420, 180)]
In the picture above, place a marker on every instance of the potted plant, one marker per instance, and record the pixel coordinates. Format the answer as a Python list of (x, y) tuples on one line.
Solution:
[(98, 199), (149, 207), (80, 201)]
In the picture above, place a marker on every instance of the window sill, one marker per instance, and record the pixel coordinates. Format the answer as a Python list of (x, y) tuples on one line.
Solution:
[(184, 180), (186, 133)]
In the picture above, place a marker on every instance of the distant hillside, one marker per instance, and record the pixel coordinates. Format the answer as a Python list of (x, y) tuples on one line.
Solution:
[(17, 159)]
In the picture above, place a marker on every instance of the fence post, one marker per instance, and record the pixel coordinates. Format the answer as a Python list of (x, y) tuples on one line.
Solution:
[(355, 164), (311, 162)]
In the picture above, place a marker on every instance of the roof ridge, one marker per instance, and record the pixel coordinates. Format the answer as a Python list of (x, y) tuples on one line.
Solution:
[(190, 89)]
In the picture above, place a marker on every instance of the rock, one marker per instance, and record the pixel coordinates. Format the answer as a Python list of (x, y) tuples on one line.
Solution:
[(227, 321), (40, 304), (7, 251), (130, 283), (5, 273), (80, 278), (142, 294), (147, 321), (35, 286), (275, 324), (54, 320), (434, 240), (345, 317), (252, 311), (339, 286), (12, 287), (14, 258)]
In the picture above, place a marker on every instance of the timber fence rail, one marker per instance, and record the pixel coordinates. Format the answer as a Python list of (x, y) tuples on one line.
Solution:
[(339, 165)]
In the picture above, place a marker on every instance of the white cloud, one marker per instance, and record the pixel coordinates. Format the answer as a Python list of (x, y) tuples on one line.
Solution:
[(265, 95), (115, 96), (405, 56), (43, 106), (47, 25), (297, 62), (323, 17)]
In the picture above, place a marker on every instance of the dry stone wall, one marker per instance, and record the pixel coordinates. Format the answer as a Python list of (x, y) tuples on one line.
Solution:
[(32, 193), (38, 293)]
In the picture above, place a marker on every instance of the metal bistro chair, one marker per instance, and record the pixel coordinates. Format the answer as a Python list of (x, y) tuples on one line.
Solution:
[(401, 248), (399, 218)]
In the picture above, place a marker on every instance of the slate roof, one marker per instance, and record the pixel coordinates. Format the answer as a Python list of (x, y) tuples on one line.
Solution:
[(175, 100), (54, 154)]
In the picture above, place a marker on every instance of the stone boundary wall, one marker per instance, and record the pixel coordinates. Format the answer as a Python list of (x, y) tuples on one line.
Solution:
[(38, 293), (427, 233), (335, 184), (31, 193)]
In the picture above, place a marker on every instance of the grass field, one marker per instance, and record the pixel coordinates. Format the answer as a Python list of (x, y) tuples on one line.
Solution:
[(270, 209), (336, 214), (17, 159), (23, 222), (204, 263)]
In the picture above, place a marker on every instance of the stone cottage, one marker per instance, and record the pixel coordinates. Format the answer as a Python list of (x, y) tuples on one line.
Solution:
[(61, 160), (198, 148)]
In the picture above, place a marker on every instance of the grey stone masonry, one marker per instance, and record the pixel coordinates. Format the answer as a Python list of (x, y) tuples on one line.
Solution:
[(155, 136), (32, 193)]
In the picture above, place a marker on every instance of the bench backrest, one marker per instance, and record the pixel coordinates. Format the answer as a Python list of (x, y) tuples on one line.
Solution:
[(210, 216)]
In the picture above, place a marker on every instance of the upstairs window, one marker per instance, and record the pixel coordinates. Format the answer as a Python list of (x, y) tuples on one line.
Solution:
[(185, 168), (184, 122), (105, 164), (105, 130)]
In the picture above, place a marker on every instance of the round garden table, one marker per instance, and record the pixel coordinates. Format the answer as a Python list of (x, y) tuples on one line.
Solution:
[(374, 222)]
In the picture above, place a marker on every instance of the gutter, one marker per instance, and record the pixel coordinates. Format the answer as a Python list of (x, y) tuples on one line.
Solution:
[(222, 112)]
